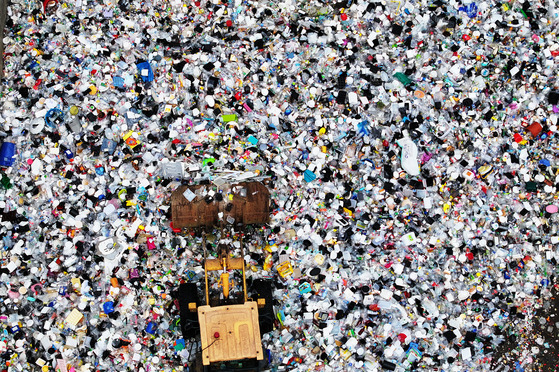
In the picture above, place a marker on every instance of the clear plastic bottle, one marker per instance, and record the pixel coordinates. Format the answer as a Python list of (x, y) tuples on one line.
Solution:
[(73, 120)]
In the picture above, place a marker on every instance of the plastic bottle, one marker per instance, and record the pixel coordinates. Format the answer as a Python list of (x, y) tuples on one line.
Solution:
[(74, 121)]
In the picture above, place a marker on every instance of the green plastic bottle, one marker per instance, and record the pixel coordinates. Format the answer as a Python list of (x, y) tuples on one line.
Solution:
[(402, 78)]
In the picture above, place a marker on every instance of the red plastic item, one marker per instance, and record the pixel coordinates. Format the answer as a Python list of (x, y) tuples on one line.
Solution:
[(517, 138), (174, 230), (49, 4), (535, 129), (150, 242), (344, 17), (229, 23)]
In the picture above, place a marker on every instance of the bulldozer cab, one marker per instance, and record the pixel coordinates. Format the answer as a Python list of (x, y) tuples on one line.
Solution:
[(228, 320)]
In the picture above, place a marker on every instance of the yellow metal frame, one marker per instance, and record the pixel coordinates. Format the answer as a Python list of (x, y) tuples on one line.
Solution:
[(224, 263), (244, 276), (206, 271)]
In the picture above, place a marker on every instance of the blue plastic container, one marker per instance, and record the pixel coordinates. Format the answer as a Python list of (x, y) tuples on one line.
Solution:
[(108, 307), (7, 153), (145, 66), (151, 327)]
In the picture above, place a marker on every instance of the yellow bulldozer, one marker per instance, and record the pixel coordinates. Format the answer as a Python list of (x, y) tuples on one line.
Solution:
[(232, 318)]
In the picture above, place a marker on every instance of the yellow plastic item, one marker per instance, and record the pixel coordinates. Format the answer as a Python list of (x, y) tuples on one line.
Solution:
[(74, 317), (130, 140), (76, 282), (268, 263), (285, 269)]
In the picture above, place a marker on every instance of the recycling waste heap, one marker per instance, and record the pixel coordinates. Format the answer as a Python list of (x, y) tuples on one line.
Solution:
[(409, 149)]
